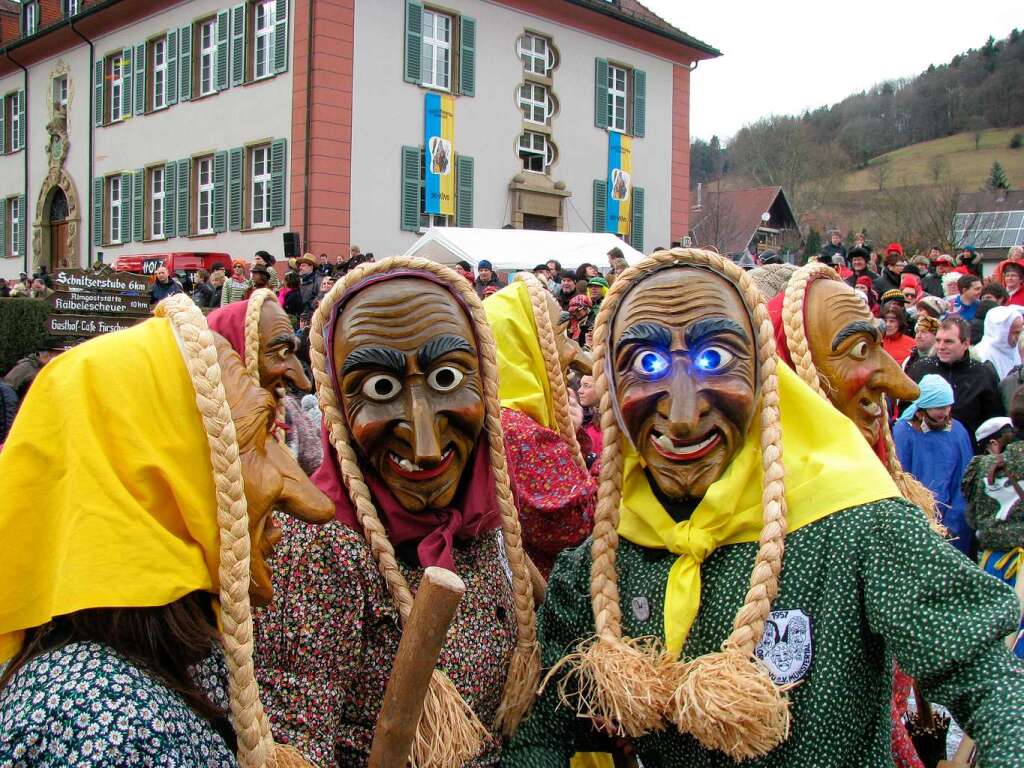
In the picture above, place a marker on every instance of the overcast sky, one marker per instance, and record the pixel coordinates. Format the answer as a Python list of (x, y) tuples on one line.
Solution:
[(799, 54)]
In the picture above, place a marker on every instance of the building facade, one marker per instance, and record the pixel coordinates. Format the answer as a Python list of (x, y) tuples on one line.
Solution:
[(147, 126)]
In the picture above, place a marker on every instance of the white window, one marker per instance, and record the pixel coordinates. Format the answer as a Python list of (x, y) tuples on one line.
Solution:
[(207, 57), (160, 73), (31, 18), (116, 87), (536, 152), (259, 202), (156, 207), (535, 103), (263, 60), (115, 209), (15, 116), (437, 50), (204, 200), (60, 92), (73, 7), (617, 79), (536, 53), (14, 208)]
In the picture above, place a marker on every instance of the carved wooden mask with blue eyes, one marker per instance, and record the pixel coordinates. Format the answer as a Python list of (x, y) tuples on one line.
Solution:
[(683, 365)]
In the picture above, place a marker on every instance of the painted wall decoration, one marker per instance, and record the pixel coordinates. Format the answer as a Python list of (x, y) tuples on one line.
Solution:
[(439, 154), (620, 183)]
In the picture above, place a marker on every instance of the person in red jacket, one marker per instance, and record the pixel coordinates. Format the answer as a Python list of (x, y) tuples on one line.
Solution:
[(1013, 282)]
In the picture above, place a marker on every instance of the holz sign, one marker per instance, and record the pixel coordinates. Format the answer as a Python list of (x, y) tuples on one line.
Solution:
[(85, 325), (81, 279), (108, 303)]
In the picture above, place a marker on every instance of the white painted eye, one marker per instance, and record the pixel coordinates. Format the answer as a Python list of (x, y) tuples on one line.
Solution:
[(381, 387), (445, 378), (859, 350)]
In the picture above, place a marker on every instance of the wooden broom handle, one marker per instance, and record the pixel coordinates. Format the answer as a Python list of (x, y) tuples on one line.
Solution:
[(432, 611)]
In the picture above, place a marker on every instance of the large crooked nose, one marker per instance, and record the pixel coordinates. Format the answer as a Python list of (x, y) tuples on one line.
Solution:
[(891, 379), (685, 404), (426, 437)]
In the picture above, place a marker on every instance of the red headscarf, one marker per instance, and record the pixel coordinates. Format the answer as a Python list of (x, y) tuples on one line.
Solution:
[(229, 322), (473, 511), (912, 281)]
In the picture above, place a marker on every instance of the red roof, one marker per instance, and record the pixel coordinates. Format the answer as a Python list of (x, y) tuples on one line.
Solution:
[(740, 211)]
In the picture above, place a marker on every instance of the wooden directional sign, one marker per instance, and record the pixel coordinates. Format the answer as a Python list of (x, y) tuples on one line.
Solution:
[(98, 303), (87, 325), (110, 282)]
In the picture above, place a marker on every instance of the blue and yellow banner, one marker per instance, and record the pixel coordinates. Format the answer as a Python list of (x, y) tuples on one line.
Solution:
[(439, 154), (620, 183)]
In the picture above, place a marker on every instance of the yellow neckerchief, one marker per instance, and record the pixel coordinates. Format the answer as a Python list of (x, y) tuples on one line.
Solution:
[(109, 498), (829, 467), (522, 376)]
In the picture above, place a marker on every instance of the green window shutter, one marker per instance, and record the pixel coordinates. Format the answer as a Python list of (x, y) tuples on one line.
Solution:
[(639, 103), (20, 106), (3, 124), (411, 183), (413, 51), (223, 38), (97, 211), (170, 189), (184, 174), (3, 228), (600, 204), (220, 172), (97, 85), (281, 36), (238, 44), (277, 181), (601, 93), (126, 89), (185, 63), (636, 225), (139, 206), (22, 225), (172, 67), (126, 207), (463, 191), (140, 79), (467, 56), (236, 158)]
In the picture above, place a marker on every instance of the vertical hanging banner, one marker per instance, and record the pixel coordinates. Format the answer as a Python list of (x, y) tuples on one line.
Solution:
[(439, 154), (620, 183)]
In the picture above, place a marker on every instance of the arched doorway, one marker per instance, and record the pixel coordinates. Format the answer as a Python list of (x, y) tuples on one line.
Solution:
[(58, 218)]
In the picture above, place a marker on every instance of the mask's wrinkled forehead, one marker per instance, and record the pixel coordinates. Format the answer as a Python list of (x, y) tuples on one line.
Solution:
[(664, 294)]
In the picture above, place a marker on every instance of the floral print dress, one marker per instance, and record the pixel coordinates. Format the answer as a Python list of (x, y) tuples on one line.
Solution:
[(84, 705)]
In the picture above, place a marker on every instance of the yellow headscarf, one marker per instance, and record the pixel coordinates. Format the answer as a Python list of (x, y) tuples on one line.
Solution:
[(109, 498), (829, 467), (522, 376)]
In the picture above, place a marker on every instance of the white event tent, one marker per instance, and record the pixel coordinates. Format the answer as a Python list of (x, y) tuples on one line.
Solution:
[(512, 250)]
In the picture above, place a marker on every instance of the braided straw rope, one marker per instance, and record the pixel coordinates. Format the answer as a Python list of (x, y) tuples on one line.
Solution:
[(726, 699), (256, 748), (252, 349), (796, 340), (553, 364), (449, 734)]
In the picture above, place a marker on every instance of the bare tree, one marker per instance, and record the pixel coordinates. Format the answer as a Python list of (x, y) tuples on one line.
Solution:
[(938, 168), (717, 226), (880, 171)]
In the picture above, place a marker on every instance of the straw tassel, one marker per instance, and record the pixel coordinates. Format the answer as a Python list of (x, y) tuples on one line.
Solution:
[(449, 734)]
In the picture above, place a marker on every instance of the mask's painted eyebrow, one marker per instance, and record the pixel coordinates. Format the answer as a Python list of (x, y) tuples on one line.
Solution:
[(391, 360), (284, 339), (857, 326), (712, 326), (438, 347), (655, 334)]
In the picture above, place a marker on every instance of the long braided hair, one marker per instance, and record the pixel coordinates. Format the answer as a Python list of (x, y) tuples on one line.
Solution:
[(256, 747), (726, 700), (796, 340), (252, 349), (449, 733)]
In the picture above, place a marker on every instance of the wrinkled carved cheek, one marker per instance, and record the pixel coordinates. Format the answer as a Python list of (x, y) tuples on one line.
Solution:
[(637, 405)]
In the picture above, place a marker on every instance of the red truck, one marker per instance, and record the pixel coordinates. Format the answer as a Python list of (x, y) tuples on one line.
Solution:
[(183, 263)]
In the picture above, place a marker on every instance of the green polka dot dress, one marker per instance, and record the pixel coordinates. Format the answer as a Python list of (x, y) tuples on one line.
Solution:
[(858, 589)]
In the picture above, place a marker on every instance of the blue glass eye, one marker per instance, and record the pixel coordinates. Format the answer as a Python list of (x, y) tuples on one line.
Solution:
[(650, 363), (713, 359)]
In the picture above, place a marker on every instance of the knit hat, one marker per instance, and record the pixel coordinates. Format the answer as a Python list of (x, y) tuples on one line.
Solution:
[(894, 248), (484, 264), (894, 294), (598, 281), (933, 304), (266, 257), (838, 260), (943, 258), (927, 323)]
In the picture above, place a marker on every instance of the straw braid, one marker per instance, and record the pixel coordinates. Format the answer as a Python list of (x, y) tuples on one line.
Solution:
[(252, 349), (726, 700), (910, 488), (539, 296), (443, 748), (256, 747)]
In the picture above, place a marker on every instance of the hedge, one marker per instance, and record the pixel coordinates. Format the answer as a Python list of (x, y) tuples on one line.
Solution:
[(22, 329)]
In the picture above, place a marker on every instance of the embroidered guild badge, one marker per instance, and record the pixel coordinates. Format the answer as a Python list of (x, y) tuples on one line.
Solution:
[(641, 609), (786, 648)]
